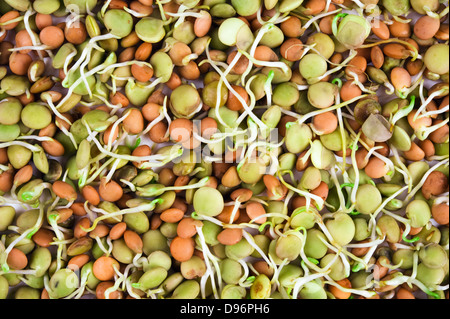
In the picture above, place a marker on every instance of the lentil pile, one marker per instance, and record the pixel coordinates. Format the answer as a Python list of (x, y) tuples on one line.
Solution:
[(224, 149)]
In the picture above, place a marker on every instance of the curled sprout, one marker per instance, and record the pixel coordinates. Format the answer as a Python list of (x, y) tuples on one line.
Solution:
[(145, 207)]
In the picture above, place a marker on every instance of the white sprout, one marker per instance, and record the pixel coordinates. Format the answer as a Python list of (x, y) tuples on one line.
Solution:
[(423, 132), (208, 257), (230, 88), (31, 34), (26, 145), (135, 13), (361, 292), (427, 101), (300, 282), (422, 181), (352, 54), (318, 17)]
